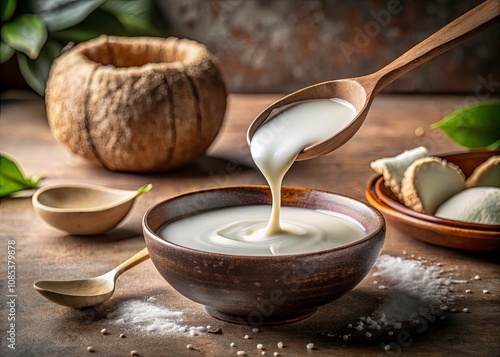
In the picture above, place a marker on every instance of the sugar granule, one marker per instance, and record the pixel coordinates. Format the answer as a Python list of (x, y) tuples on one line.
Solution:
[(147, 318)]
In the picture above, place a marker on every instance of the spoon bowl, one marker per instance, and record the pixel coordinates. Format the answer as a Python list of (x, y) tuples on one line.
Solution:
[(361, 91), (87, 292), (83, 209)]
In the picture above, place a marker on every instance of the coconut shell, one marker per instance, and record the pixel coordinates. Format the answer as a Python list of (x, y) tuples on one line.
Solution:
[(136, 104)]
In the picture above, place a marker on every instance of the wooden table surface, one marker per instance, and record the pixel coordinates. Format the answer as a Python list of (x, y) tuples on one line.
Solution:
[(45, 329)]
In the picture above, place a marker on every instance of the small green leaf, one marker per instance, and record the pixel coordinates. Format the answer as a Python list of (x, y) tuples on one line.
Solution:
[(8, 8), (477, 126), (27, 34), (36, 72), (137, 16), (6, 52), (143, 189), (61, 14), (12, 178)]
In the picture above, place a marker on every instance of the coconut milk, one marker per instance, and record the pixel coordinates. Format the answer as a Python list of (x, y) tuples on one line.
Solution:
[(241, 230), (276, 230), (277, 143)]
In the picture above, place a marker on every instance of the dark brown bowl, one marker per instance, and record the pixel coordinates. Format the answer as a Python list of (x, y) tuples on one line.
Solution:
[(258, 290), (431, 229)]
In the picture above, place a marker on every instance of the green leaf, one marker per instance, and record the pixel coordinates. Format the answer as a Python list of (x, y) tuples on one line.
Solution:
[(61, 14), (477, 126), (143, 189), (6, 52), (27, 34), (97, 23), (137, 16), (8, 8), (12, 178), (36, 72)]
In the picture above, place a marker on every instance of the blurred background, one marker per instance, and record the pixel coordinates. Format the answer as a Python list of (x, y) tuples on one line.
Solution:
[(278, 46)]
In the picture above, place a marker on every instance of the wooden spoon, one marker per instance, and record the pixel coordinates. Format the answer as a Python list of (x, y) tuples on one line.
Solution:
[(87, 292), (361, 91), (84, 209)]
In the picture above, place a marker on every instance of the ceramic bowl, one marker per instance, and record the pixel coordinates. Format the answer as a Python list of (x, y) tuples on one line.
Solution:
[(259, 290), (432, 229)]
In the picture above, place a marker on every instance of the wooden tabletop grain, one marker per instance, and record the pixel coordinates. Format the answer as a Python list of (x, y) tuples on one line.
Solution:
[(37, 327)]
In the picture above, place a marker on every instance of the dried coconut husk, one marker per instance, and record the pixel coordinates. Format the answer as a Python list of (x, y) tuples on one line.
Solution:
[(136, 104), (429, 182), (486, 174)]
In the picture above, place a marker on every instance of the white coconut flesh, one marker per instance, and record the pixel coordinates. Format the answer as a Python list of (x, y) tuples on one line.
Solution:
[(429, 182), (393, 168), (476, 204), (486, 174)]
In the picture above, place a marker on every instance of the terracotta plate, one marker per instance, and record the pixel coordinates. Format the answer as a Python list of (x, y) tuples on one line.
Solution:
[(432, 229)]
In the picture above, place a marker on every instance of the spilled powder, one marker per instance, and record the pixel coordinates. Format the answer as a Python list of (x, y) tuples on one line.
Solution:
[(145, 317), (413, 289)]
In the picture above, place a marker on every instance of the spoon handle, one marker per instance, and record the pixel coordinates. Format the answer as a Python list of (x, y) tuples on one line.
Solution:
[(131, 262), (467, 25)]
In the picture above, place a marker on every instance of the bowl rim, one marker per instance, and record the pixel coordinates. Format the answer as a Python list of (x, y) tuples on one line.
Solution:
[(380, 225), (37, 203), (387, 203)]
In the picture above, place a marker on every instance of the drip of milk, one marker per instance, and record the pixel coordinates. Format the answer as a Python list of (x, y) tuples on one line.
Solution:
[(260, 230), (277, 143)]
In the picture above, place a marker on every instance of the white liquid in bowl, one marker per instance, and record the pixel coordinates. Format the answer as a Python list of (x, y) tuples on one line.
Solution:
[(241, 230)]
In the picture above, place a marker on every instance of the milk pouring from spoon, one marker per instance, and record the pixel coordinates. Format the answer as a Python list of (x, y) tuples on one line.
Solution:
[(361, 91)]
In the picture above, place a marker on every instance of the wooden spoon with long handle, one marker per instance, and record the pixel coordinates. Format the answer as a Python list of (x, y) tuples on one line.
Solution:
[(361, 91)]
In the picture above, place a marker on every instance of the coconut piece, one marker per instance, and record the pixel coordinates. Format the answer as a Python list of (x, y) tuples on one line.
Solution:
[(393, 168), (476, 204), (486, 174), (138, 103), (429, 182)]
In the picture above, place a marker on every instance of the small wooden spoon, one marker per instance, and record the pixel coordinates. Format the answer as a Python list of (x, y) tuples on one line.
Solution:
[(83, 209), (87, 292), (361, 91)]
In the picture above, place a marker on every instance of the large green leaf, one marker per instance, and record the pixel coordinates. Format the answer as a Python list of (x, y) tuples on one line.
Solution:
[(36, 72), (97, 23), (8, 8), (477, 126), (61, 14), (6, 52), (12, 178), (137, 16), (27, 33)]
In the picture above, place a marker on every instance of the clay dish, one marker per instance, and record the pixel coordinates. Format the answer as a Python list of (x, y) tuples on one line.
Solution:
[(83, 209), (259, 290), (432, 229)]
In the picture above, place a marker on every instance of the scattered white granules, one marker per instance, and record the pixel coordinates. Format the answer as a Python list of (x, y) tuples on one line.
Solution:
[(280, 344), (414, 289), (147, 318), (465, 310), (255, 330), (190, 347), (310, 346), (468, 291), (477, 277), (368, 334), (241, 353), (104, 331), (260, 346), (232, 344), (486, 291)]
